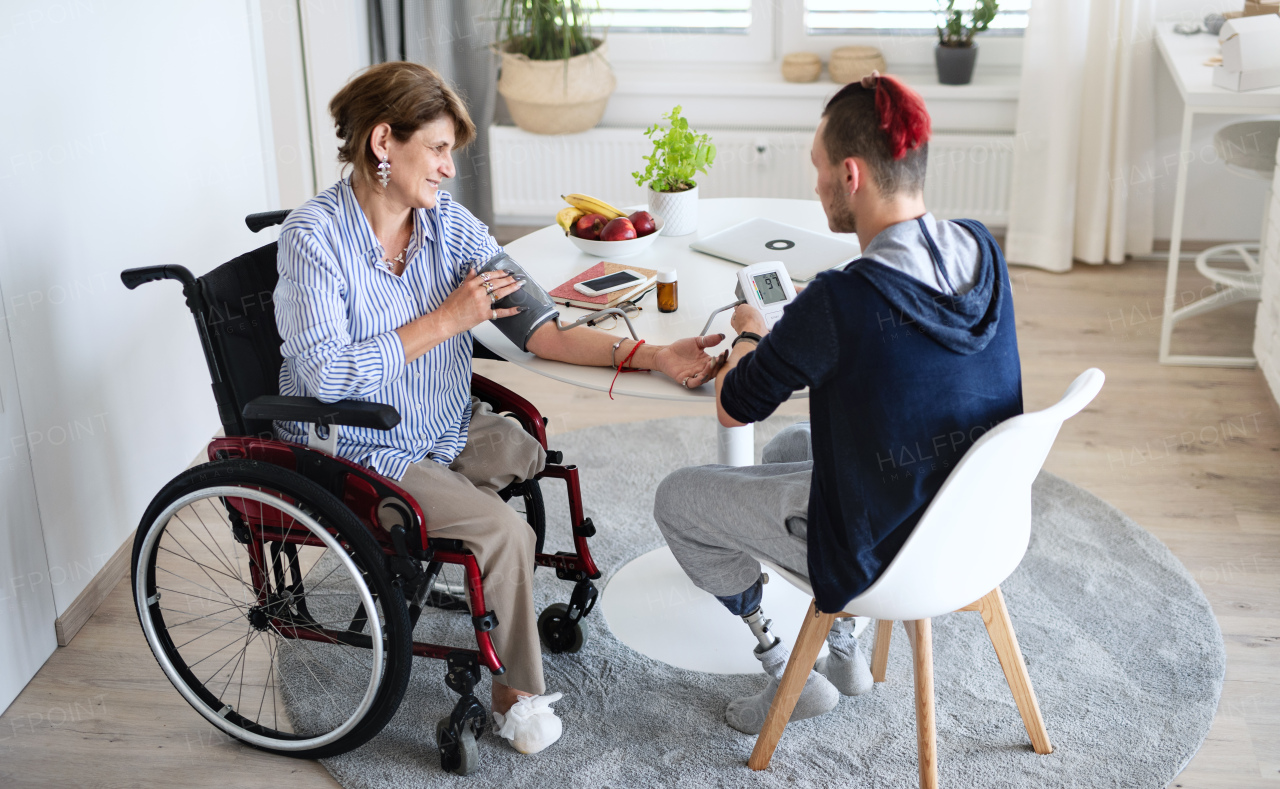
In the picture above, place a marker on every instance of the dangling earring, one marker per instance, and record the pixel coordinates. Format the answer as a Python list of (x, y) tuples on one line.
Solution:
[(384, 172)]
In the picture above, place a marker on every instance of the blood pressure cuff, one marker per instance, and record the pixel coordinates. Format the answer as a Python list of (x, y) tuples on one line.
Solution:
[(539, 308)]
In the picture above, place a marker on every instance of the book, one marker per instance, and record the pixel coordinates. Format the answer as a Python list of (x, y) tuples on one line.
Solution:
[(567, 296)]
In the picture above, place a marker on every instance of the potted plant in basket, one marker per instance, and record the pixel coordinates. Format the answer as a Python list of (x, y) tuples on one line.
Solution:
[(679, 153), (555, 76), (956, 53)]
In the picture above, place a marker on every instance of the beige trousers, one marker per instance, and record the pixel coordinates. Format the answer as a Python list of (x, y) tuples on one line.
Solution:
[(461, 502)]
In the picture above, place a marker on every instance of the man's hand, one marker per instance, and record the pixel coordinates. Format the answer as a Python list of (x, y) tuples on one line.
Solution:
[(748, 318), (686, 363)]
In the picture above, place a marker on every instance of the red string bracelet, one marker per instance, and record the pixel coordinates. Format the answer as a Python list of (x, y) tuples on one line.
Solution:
[(622, 368)]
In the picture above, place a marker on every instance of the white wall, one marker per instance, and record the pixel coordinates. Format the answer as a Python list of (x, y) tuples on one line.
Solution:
[(132, 136), (1220, 206), (26, 597)]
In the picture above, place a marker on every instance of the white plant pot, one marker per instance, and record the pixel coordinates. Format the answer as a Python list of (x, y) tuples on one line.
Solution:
[(679, 211)]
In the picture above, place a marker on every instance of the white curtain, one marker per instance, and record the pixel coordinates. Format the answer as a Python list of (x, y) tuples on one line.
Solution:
[(1085, 131)]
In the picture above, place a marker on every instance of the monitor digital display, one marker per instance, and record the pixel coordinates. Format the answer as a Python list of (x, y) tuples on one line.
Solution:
[(769, 286)]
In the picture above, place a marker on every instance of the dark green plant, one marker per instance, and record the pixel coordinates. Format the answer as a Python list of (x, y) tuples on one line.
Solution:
[(679, 153), (955, 33), (546, 29)]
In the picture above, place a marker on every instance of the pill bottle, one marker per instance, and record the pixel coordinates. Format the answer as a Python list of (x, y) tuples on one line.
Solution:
[(668, 298)]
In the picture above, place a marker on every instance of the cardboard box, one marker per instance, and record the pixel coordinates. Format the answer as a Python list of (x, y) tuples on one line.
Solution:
[(1251, 43), (1260, 7)]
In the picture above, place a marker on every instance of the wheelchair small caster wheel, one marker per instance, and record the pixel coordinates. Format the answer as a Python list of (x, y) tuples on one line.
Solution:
[(557, 632), (458, 751)]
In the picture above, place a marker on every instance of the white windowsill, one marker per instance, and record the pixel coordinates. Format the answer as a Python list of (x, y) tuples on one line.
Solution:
[(765, 81), (717, 96)]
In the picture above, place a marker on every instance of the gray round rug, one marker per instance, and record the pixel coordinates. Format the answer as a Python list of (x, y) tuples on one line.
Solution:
[(1122, 647)]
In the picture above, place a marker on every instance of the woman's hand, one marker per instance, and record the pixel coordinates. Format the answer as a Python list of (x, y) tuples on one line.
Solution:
[(686, 363), (748, 318), (471, 304)]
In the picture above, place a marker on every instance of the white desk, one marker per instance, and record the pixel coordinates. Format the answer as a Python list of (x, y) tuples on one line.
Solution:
[(1184, 56), (705, 283)]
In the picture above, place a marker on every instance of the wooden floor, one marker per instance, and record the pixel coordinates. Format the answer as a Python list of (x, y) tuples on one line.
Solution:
[(1191, 454)]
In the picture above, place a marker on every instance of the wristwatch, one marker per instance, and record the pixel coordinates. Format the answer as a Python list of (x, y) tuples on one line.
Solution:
[(746, 335)]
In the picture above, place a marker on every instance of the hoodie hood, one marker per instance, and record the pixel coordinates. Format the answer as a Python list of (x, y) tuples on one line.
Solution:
[(963, 323)]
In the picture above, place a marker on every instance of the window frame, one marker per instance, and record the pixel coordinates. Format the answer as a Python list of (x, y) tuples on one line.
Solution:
[(1000, 32), (757, 45), (903, 50)]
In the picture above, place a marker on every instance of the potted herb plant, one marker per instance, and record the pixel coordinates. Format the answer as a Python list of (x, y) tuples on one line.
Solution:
[(679, 153), (555, 76), (956, 52)]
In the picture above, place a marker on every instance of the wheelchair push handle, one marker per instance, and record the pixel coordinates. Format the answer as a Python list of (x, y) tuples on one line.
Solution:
[(257, 222), (133, 277)]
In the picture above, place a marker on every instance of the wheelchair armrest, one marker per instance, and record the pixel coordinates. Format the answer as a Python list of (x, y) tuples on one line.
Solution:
[(353, 413)]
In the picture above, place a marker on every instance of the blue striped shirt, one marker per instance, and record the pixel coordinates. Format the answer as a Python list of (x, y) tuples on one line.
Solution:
[(338, 306)]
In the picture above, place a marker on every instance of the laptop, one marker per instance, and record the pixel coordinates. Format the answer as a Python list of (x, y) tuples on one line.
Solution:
[(805, 253)]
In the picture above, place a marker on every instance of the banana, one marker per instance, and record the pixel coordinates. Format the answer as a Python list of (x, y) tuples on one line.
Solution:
[(592, 205), (567, 217)]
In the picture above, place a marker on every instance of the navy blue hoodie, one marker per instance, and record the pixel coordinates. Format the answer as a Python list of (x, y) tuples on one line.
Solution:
[(903, 379)]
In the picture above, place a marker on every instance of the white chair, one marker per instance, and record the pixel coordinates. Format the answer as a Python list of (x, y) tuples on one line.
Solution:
[(970, 539)]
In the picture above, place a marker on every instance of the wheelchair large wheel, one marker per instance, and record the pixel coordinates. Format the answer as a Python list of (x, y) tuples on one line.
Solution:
[(269, 607)]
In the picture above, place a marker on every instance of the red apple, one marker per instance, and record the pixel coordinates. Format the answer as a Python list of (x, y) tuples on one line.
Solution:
[(619, 229), (643, 222), (590, 226)]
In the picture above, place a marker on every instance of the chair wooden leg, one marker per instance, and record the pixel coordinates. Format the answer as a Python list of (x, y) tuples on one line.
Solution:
[(809, 643), (926, 731), (1000, 628), (880, 654)]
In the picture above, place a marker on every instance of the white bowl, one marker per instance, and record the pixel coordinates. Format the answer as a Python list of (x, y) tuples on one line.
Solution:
[(619, 249)]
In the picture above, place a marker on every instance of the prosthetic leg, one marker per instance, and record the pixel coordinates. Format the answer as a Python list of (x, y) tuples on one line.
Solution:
[(747, 714)]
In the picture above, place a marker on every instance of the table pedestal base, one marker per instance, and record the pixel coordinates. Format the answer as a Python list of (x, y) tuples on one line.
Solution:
[(653, 607), (737, 445)]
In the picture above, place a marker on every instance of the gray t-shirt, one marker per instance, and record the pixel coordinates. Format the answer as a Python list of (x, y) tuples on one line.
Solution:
[(903, 246)]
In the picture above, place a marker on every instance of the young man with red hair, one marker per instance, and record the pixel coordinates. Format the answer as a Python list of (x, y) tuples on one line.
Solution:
[(909, 354)]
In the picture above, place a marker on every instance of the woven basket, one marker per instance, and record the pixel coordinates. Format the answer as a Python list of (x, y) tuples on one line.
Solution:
[(801, 67), (544, 99), (850, 64)]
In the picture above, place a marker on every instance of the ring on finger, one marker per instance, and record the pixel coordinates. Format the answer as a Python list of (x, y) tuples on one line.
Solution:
[(493, 299), (485, 276), (488, 288), (493, 315)]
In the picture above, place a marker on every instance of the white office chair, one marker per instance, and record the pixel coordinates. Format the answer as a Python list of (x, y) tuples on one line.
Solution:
[(970, 539)]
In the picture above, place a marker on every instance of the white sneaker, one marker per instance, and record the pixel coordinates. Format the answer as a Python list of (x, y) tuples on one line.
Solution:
[(530, 725)]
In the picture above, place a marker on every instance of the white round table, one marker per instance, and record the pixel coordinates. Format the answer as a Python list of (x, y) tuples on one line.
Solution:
[(650, 604), (705, 284)]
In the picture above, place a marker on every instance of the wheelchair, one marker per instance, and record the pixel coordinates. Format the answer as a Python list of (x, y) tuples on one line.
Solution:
[(267, 581)]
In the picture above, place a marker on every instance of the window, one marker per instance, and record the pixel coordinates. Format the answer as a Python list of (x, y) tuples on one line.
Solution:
[(664, 32), (853, 17), (674, 16)]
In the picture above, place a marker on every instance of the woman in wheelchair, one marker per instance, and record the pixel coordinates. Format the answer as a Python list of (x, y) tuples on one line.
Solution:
[(375, 301)]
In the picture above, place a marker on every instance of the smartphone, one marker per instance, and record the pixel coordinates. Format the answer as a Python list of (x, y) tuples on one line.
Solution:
[(609, 283)]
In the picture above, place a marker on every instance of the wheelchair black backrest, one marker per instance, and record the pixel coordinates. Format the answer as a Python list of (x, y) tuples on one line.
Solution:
[(239, 316)]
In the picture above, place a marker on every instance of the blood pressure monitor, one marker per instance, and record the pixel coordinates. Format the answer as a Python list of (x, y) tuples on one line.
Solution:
[(768, 288)]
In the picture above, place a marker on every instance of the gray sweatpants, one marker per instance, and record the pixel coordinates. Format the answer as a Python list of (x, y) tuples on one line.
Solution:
[(717, 519)]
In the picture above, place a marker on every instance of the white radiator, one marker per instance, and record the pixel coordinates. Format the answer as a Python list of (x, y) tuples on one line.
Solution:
[(968, 174)]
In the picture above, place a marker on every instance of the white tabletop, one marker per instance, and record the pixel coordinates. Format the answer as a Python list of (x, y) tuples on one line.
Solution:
[(1185, 57), (705, 283)]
